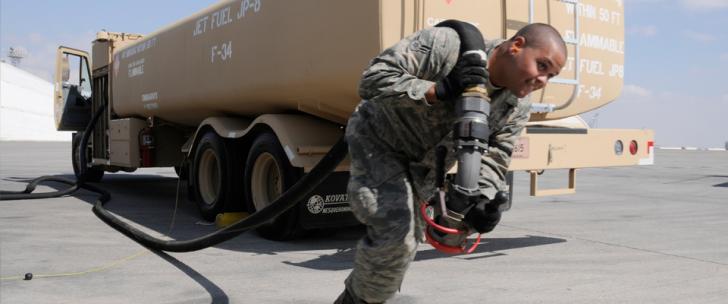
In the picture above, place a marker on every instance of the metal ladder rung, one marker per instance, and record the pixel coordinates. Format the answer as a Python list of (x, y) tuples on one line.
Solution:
[(564, 81)]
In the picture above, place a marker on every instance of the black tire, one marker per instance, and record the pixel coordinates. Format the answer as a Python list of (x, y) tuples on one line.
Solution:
[(215, 176), (93, 174), (181, 171), (268, 173)]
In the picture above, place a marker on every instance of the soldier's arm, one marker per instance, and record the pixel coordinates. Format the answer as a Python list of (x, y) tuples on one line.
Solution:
[(495, 164), (410, 68)]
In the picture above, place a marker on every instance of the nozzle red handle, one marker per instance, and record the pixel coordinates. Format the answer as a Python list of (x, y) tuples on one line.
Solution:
[(443, 247), (431, 222)]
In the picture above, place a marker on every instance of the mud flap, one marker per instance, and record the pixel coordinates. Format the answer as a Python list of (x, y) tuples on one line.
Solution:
[(328, 205)]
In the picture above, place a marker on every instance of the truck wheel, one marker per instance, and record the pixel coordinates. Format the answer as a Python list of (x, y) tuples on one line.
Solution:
[(214, 176), (268, 173), (93, 174), (181, 171)]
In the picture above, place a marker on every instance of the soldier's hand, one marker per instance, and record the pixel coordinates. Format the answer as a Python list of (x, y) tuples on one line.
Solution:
[(469, 71), (486, 214)]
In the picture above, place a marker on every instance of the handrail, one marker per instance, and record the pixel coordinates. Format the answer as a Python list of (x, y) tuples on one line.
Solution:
[(576, 82)]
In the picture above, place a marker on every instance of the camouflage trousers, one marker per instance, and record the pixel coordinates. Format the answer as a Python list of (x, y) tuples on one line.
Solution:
[(382, 197)]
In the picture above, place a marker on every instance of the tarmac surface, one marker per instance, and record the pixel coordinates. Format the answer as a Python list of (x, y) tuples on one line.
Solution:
[(653, 234)]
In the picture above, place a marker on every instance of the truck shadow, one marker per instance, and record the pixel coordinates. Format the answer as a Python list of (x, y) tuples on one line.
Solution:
[(149, 201), (143, 199)]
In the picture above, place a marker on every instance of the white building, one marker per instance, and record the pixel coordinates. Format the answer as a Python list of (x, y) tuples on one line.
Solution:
[(26, 107)]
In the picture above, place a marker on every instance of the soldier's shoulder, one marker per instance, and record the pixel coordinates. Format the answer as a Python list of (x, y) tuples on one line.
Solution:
[(491, 44), (436, 35)]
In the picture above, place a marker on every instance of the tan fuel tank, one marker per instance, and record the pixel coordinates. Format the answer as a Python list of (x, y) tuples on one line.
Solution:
[(250, 57)]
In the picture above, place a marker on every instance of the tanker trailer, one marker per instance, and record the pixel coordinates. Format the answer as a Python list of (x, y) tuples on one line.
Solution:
[(245, 97)]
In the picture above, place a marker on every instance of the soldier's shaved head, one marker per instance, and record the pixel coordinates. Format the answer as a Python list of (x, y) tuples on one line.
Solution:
[(526, 62), (539, 35)]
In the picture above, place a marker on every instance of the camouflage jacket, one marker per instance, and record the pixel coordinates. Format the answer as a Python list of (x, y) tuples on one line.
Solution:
[(393, 90)]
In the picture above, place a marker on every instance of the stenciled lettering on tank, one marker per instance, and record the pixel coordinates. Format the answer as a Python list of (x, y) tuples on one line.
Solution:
[(222, 52), (220, 18), (617, 70), (590, 11), (225, 16), (139, 48), (595, 67), (136, 68), (149, 100), (151, 106), (215, 20), (200, 26), (593, 92), (598, 42), (249, 6), (150, 96), (595, 17)]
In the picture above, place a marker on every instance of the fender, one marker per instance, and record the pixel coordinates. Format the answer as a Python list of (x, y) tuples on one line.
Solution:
[(305, 139)]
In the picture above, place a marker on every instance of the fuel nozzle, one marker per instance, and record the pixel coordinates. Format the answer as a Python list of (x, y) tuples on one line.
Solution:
[(446, 231), (449, 230)]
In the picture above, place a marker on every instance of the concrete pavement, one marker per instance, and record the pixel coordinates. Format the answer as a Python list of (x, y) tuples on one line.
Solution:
[(655, 234)]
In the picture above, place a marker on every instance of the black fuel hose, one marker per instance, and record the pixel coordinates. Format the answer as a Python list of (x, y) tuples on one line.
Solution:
[(28, 194), (287, 200)]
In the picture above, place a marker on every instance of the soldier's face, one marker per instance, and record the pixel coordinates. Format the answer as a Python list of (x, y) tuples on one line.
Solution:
[(532, 67)]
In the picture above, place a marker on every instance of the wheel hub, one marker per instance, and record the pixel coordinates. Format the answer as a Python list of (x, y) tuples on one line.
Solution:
[(209, 178), (267, 182)]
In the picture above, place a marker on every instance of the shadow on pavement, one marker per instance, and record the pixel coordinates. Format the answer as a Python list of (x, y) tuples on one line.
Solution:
[(342, 259), (722, 185), (149, 201), (217, 295)]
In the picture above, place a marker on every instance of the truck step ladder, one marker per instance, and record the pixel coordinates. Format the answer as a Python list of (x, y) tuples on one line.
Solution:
[(576, 82)]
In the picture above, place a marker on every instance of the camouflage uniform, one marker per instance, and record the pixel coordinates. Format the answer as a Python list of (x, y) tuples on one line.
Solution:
[(392, 136)]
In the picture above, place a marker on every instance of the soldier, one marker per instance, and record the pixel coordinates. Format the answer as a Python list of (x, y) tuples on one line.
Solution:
[(406, 112)]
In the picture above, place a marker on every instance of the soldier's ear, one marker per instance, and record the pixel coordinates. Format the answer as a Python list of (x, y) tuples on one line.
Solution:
[(517, 44)]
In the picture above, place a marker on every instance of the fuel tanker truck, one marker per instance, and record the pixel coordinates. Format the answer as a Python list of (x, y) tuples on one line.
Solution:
[(245, 97)]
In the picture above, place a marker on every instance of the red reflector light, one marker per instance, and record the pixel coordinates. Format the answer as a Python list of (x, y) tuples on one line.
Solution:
[(633, 148)]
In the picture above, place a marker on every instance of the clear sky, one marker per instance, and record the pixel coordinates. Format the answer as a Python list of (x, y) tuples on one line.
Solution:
[(675, 69)]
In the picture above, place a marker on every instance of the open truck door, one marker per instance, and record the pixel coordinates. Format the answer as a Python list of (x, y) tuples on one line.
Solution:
[(72, 102), (72, 93)]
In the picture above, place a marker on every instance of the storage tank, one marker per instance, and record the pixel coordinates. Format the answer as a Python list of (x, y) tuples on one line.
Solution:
[(250, 57)]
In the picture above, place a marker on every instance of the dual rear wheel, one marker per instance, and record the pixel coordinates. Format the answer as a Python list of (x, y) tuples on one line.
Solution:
[(215, 179), (225, 180)]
